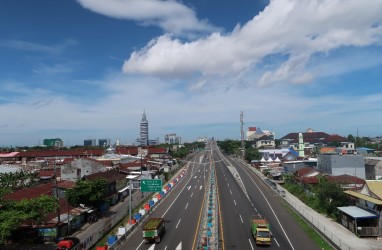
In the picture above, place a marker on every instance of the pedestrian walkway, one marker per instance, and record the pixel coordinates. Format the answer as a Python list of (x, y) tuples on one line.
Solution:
[(340, 236)]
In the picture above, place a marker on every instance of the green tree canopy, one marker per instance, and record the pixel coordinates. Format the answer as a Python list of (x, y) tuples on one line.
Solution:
[(90, 193), (230, 146), (13, 214), (330, 196), (252, 153)]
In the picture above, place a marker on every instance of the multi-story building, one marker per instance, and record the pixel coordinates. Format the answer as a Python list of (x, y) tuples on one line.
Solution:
[(144, 131), (56, 142), (172, 139), (90, 142), (104, 142), (338, 164)]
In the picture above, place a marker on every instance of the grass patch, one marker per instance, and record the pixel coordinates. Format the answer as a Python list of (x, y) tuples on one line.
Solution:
[(317, 239)]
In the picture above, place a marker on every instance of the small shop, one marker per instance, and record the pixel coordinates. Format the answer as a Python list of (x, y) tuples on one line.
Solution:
[(359, 221)]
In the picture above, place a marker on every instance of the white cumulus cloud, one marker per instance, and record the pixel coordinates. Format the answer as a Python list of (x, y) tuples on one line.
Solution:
[(298, 29), (170, 15)]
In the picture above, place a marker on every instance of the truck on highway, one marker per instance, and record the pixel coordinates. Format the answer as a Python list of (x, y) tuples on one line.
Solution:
[(260, 230), (153, 230)]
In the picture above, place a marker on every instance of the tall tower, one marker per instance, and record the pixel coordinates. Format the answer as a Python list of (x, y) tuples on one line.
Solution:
[(301, 145), (144, 130)]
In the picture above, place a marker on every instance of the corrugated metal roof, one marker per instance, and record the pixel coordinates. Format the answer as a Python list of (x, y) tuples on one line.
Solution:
[(375, 187), (357, 212), (364, 197)]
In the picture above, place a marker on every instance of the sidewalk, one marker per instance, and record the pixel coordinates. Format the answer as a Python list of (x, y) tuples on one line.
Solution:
[(340, 236)]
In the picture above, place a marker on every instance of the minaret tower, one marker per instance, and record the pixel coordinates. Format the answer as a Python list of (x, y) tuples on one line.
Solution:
[(300, 145)]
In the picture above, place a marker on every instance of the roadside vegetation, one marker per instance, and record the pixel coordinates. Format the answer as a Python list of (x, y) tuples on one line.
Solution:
[(324, 197), (233, 147), (316, 237), (32, 211)]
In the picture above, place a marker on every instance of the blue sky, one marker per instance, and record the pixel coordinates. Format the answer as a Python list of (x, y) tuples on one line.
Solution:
[(79, 69)]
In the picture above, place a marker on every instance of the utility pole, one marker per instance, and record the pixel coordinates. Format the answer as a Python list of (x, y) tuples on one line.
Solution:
[(56, 194)]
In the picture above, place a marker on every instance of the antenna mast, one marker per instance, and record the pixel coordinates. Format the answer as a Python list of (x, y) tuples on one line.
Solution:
[(242, 133)]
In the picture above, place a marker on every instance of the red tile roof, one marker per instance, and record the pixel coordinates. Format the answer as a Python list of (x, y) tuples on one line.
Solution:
[(66, 184), (61, 153), (46, 173), (310, 180), (304, 171), (315, 137), (335, 138), (252, 128), (110, 175), (347, 179), (157, 150), (30, 193)]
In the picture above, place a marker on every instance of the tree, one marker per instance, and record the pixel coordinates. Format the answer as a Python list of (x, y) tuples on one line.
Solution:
[(351, 138), (91, 193), (252, 153), (230, 146), (37, 208), (180, 152), (330, 196), (13, 214)]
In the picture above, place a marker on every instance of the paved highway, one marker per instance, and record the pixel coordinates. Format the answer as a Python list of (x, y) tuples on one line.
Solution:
[(181, 210), (241, 194)]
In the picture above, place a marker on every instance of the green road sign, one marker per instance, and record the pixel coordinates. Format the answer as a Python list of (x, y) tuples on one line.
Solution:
[(151, 185)]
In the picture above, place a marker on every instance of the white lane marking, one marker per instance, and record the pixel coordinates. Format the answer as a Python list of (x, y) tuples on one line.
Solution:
[(175, 200), (230, 191), (250, 243), (189, 187), (273, 212), (195, 186), (241, 218), (228, 184), (186, 206), (201, 186), (277, 242), (152, 247), (179, 247), (234, 202), (165, 248), (178, 223), (192, 194)]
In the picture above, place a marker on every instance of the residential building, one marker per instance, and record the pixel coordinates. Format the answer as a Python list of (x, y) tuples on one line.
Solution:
[(116, 182), (77, 168), (250, 132), (264, 141), (373, 166), (255, 133)]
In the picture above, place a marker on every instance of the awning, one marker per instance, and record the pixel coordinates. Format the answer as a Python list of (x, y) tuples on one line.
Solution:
[(357, 213), (364, 197), (123, 189)]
